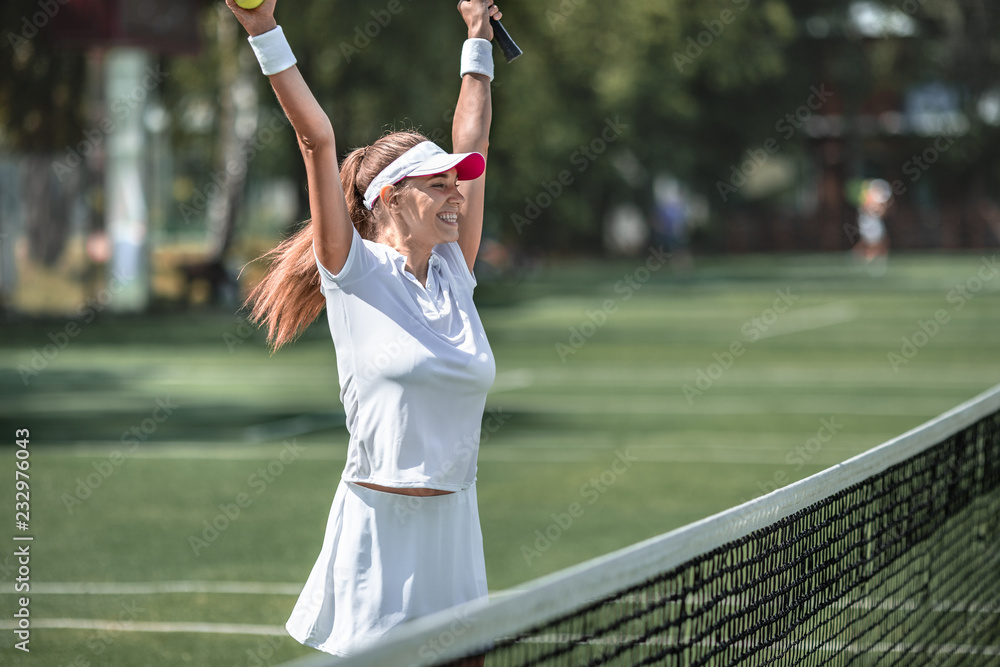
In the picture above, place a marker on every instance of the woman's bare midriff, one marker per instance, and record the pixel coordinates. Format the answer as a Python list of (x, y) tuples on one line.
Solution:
[(404, 491)]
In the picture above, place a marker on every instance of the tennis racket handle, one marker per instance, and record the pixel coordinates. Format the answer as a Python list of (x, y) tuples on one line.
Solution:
[(502, 37)]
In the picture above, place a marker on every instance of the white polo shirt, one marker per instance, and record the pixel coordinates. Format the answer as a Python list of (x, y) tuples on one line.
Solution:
[(414, 366)]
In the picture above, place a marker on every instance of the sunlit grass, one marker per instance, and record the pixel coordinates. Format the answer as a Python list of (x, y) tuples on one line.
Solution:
[(109, 505)]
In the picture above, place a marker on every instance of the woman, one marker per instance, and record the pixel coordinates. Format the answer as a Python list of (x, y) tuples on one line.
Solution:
[(389, 252)]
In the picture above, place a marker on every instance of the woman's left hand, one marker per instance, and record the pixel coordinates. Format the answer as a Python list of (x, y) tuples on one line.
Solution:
[(477, 15)]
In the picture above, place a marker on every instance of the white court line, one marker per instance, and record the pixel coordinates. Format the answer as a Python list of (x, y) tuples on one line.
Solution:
[(541, 453), (135, 626), (159, 587), (293, 426), (673, 403), (168, 587), (796, 645), (519, 378), (816, 317), (645, 455), (530, 447)]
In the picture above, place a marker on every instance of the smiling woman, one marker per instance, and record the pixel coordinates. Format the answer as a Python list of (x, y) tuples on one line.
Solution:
[(389, 252)]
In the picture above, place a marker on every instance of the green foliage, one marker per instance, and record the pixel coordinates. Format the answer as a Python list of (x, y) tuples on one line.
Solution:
[(690, 85), (391, 65), (41, 88)]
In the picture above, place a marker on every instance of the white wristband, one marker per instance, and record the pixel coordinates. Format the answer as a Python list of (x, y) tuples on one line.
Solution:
[(477, 57), (272, 51)]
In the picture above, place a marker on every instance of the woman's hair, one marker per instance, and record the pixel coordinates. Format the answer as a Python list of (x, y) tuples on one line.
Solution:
[(288, 298)]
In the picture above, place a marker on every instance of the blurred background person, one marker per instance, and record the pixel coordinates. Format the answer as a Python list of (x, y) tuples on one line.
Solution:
[(672, 219), (873, 244)]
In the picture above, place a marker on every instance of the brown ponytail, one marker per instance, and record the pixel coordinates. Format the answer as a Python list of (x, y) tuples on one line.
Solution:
[(288, 298)]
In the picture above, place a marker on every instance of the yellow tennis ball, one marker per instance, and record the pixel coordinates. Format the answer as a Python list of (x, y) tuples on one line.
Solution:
[(249, 4)]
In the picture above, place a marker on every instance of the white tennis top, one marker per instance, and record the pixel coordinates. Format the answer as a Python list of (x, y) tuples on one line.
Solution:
[(414, 366)]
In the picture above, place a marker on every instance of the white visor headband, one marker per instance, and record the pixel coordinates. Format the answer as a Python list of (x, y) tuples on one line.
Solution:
[(425, 159)]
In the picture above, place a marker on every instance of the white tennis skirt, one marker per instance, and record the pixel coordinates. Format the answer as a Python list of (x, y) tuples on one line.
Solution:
[(386, 559)]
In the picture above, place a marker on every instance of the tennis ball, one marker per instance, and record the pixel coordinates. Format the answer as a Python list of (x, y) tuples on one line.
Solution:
[(249, 4)]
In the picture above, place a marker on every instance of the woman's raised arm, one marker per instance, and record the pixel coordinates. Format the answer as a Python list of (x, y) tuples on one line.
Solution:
[(327, 207), (471, 128)]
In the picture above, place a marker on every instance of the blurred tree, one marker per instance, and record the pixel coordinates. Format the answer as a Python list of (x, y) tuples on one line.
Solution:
[(237, 123), (879, 57), (41, 114), (968, 53), (604, 95)]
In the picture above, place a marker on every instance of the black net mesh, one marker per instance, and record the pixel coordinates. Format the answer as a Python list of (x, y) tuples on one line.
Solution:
[(902, 568)]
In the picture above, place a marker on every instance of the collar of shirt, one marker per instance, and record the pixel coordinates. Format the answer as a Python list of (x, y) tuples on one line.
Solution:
[(433, 263)]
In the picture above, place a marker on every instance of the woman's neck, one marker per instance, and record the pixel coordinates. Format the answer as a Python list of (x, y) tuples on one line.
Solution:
[(417, 255), (416, 263)]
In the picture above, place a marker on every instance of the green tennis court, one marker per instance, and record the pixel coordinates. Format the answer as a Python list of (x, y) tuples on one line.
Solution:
[(181, 476)]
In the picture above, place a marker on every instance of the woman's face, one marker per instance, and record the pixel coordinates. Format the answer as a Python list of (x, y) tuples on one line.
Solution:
[(427, 210)]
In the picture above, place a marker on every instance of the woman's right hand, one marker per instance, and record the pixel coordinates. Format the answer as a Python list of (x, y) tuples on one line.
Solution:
[(256, 21), (477, 14)]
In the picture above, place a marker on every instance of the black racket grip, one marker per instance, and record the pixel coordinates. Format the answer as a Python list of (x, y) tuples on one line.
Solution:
[(502, 38)]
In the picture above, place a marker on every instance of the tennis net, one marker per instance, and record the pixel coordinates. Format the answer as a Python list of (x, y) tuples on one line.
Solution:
[(890, 558)]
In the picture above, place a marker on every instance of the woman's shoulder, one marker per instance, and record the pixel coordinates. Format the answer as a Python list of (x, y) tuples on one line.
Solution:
[(364, 257), (386, 254)]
